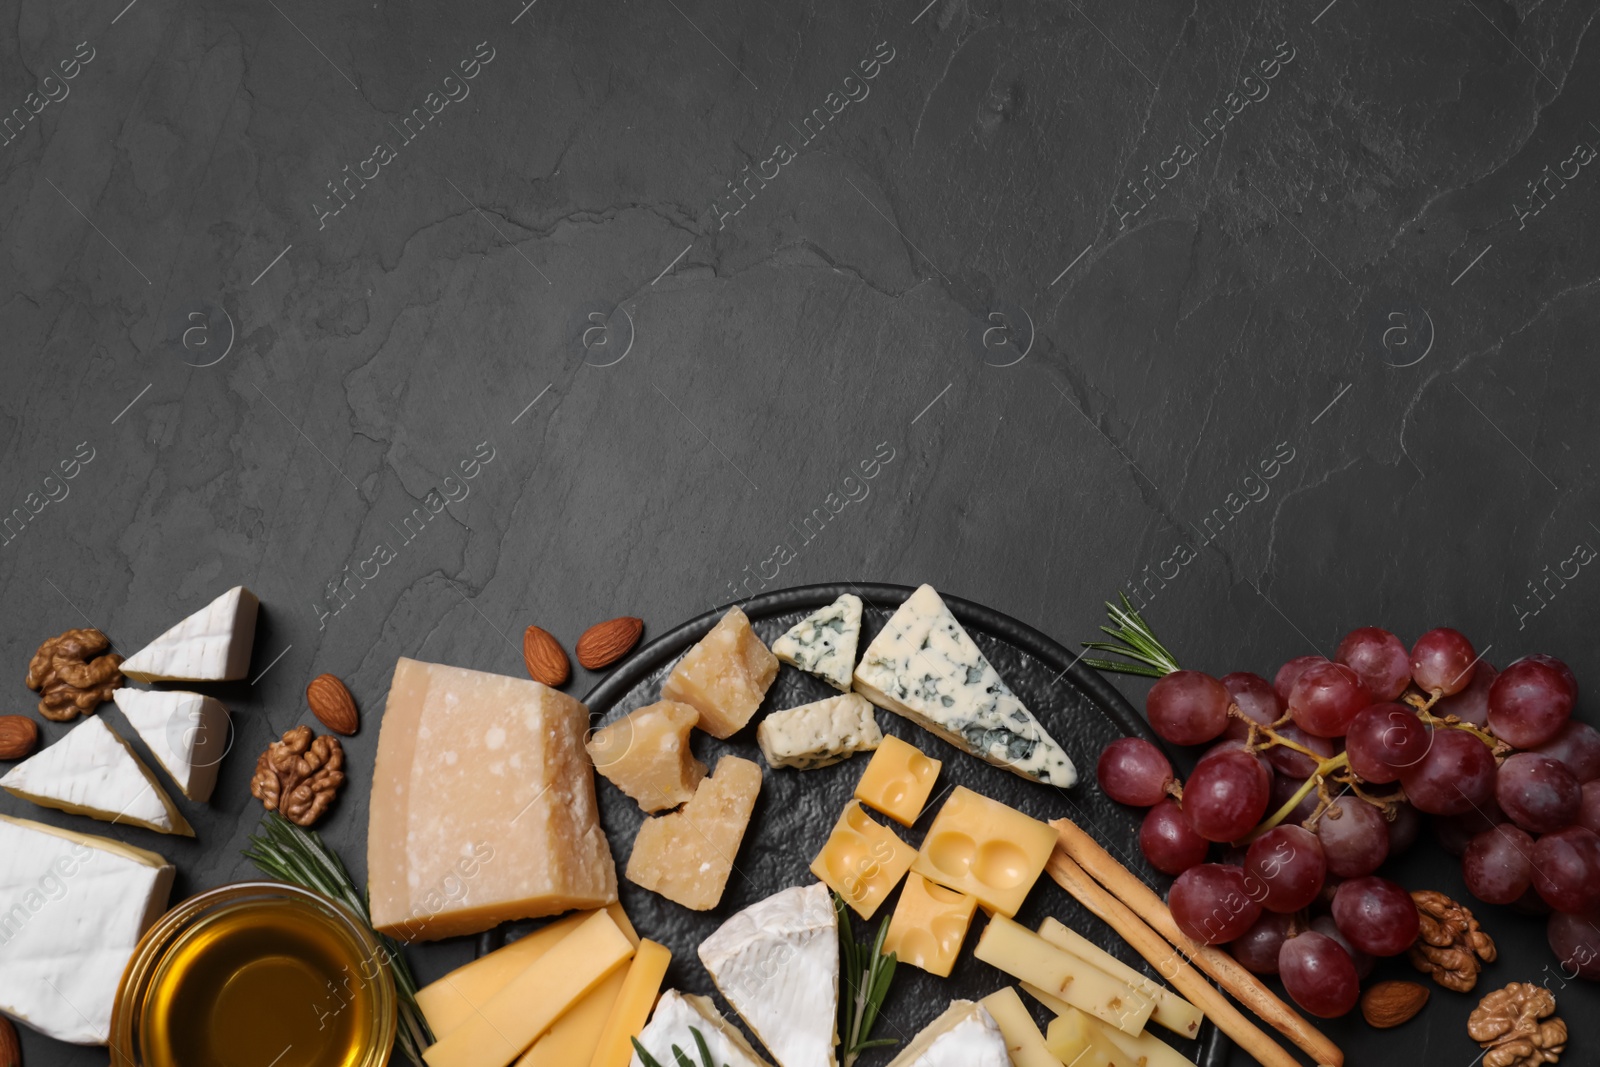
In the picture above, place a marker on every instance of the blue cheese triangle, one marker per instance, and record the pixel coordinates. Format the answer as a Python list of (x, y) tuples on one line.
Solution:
[(925, 667), (824, 642)]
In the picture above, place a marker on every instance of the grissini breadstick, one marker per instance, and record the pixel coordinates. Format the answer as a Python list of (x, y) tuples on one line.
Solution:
[(1168, 961), (1246, 987)]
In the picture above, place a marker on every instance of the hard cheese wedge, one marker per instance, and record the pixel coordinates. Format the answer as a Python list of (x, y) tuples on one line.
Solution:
[(724, 676), (671, 1025), (777, 964), (484, 774), (500, 1030), (925, 667), (572, 1038), (1023, 1039), (632, 1007), (646, 755), (1171, 1010), (824, 642), (966, 1035), (820, 734), (186, 732), (212, 645), (687, 855), (91, 771), (1026, 956), (77, 907)]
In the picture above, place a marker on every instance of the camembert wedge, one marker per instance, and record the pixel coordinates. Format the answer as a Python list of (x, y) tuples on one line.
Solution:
[(676, 1013), (925, 667), (186, 732), (824, 642), (212, 645), (966, 1035), (91, 771)]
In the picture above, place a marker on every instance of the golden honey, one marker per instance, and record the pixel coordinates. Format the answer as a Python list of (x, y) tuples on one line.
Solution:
[(262, 983)]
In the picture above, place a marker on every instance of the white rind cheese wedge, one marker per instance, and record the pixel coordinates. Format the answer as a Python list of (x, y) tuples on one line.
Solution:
[(76, 908), (212, 645), (820, 734), (777, 963), (91, 771), (824, 642), (925, 667), (675, 1013), (186, 732), (966, 1035)]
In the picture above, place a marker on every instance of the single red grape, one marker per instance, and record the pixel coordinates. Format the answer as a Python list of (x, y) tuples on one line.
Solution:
[(1212, 903), (1560, 668), (1226, 796), (1188, 708), (1576, 744), (1326, 697), (1566, 869), (1383, 740), (1354, 837), (1288, 863), (1133, 771), (1376, 915), (1589, 807), (1456, 775), (1442, 661), (1530, 702), (1292, 762), (1324, 925), (1256, 700), (1233, 744), (1575, 939), (1498, 864), (1318, 974), (1539, 793), (1289, 673), (1168, 841), (1379, 659), (1257, 948), (1472, 703)]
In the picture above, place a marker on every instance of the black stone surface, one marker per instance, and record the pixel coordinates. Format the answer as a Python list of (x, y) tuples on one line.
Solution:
[(1375, 284)]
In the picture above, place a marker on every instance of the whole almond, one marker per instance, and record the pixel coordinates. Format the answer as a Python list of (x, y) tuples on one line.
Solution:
[(10, 1047), (606, 642), (544, 657), (18, 736), (1392, 1003), (332, 704)]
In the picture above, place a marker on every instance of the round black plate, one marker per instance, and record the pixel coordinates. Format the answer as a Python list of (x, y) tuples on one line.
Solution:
[(797, 809)]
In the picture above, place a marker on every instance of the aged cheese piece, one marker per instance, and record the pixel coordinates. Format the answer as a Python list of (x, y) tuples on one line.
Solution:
[(91, 771), (1171, 1010), (725, 676), (186, 732), (777, 964), (925, 666), (671, 1025), (820, 734), (862, 860), (646, 755), (77, 907), (964, 1036), (483, 805), (824, 642), (928, 925), (1074, 1038), (1023, 1040), (501, 1029), (898, 780), (985, 848), (687, 855), (632, 1008), (212, 645), (1026, 956)]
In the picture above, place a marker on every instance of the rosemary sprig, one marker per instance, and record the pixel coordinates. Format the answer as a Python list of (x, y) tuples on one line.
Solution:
[(867, 973), (1135, 641), (284, 851), (677, 1053)]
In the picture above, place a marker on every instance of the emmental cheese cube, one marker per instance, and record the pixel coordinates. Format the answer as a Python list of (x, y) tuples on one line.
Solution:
[(724, 676), (898, 780), (1023, 1040), (982, 847), (646, 755), (1171, 1010), (928, 925), (483, 806), (632, 1007), (686, 856), (1026, 956), (862, 860)]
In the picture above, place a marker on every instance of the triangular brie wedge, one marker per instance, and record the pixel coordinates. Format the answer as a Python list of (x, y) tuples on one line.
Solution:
[(187, 733), (212, 645), (91, 771), (966, 1035), (824, 642), (925, 667), (670, 1025), (777, 963), (77, 906)]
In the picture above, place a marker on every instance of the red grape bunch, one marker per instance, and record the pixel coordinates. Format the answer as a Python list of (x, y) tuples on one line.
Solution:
[(1314, 779)]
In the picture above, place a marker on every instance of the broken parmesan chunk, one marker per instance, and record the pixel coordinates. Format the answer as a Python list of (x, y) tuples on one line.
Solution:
[(686, 856), (646, 755), (724, 676)]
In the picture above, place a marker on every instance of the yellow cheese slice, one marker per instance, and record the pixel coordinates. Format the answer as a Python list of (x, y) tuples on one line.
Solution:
[(1024, 1043), (632, 1008), (573, 1037), (1171, 1010), (1026, 956), (1073, 1038)]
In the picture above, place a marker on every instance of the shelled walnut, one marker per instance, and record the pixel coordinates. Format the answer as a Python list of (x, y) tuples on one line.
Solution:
[(299, 776), (1449, 945), (70, 675), (1512, 1024)]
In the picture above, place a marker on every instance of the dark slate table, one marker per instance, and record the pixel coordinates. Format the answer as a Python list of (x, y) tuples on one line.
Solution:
[(1281, 318)]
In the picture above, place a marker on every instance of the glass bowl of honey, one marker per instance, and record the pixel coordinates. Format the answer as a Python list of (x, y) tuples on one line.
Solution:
[(252, 974)]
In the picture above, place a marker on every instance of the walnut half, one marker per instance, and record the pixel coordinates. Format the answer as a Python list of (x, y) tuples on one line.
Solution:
[(299, 776), (1513, 1025), (71, 676), (1449, 945)]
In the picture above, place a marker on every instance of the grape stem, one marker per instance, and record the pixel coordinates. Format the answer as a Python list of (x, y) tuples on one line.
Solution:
[(1326, 767), (1450, 722)]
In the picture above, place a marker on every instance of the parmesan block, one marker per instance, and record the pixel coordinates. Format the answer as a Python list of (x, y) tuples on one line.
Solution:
[(483, 806), (725, 676), (646, 755), (686, 856)]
